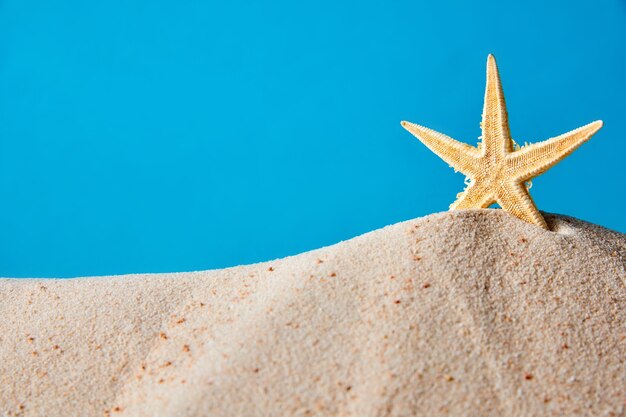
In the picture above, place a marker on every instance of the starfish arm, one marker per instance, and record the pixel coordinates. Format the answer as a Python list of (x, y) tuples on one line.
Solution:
[(515, 199), (535, 159), (458, 155), (476, 195), (495, 124)]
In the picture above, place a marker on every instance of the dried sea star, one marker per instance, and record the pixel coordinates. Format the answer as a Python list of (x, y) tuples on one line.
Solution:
[(497, 171)]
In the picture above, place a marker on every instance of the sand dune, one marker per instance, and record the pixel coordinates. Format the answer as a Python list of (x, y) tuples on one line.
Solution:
[(458, 313)]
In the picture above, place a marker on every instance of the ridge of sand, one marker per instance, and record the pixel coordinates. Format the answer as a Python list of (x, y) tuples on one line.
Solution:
[(459, 313)]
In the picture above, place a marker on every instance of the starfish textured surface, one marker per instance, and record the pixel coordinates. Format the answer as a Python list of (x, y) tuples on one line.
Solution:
[(497, 171)]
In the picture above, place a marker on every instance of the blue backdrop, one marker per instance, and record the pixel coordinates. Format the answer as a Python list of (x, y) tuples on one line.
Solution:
[(153, 136)]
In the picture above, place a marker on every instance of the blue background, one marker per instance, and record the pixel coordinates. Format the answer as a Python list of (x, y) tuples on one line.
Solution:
[(153, 136)]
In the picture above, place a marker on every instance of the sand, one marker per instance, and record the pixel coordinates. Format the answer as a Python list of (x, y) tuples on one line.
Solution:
[(460, 313)]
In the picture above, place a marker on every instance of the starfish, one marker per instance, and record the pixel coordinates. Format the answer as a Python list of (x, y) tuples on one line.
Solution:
[(498, 170)]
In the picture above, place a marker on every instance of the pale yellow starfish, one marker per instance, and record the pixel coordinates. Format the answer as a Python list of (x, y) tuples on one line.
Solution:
[(498, 172)]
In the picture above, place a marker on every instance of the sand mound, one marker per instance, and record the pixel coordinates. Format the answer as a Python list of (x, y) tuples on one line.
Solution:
[(459, 313)]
